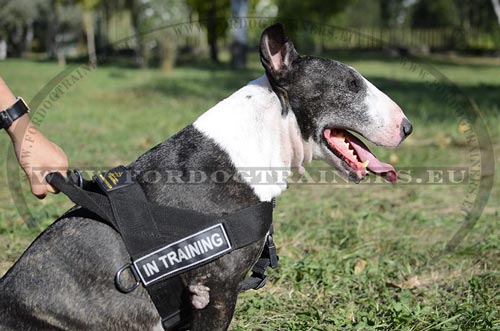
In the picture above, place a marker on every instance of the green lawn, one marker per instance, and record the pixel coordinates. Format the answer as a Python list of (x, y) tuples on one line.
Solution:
[(352, 257)]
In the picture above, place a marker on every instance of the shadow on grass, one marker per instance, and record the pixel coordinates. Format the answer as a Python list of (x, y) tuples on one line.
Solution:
[(465, 62), (419, 100), (430, 103), (201, 83)]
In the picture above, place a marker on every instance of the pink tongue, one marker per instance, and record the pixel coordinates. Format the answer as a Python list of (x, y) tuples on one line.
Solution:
[(385, 170)]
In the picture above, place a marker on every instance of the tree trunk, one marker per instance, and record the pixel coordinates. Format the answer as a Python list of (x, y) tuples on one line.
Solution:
[(496, 7), (3, 49), (212, 31), (53, 39), (89, 32), (239, 9), (168, 50), (140, 58), (28, 38), (17, 39)]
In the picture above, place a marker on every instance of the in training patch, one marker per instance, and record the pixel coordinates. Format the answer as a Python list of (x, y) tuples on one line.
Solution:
[(185, 253), (114, 179)]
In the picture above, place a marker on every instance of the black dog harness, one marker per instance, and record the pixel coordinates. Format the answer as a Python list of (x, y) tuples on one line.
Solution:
[(164, 242)]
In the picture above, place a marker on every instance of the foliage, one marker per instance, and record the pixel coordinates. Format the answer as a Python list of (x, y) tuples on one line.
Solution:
[(208, 10), (316, 10), (350, 16), (89, 4), (57, 26), (392, 13), (211, 14), (432, 14), (156, 14), (462, 14), (16, 17), (478, 14), (19, 12)]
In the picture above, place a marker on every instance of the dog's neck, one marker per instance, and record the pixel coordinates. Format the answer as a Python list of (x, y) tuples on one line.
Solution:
[(262, 143)]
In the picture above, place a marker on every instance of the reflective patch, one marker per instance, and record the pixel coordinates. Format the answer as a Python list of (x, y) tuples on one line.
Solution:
[(113, 179), (183, 254)]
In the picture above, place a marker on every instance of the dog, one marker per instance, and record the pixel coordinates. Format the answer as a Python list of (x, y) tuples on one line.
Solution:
[(304, 107)]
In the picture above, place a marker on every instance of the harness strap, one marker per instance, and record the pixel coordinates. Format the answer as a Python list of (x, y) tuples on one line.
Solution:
[(169, 296), (268, 258), (242, 231), (125, 207), (136, 224)]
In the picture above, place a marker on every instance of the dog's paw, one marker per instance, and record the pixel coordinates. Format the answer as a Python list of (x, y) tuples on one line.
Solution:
[(200, 296)]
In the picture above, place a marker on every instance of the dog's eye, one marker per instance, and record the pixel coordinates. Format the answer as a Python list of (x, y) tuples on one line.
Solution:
[(354, 85)]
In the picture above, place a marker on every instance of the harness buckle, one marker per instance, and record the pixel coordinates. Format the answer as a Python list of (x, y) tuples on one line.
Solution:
[(118, 282), (273, 254), (75, 177), (79, 177)]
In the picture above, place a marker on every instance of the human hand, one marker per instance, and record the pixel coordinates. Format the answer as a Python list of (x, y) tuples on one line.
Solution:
[(38, 157)]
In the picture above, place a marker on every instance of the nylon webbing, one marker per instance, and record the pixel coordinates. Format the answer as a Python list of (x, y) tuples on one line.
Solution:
[(146, 227), (268, 258), (245, 226)]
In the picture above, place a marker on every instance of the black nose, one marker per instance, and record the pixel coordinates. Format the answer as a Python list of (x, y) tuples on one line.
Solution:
[(406, 128)]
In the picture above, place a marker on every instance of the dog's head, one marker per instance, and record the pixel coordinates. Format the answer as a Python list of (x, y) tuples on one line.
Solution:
[(329, 99)]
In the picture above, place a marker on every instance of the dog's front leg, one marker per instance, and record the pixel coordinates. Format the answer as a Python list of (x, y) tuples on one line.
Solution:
[(217, 314), (219, 284), (200, 296)]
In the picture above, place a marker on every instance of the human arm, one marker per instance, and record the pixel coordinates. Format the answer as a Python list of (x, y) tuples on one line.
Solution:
[(37, 155)]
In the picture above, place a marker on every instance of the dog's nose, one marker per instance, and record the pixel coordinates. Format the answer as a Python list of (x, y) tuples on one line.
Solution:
[(406, 128)]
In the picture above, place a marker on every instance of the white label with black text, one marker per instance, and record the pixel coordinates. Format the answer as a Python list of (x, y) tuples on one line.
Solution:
[(185, 253)]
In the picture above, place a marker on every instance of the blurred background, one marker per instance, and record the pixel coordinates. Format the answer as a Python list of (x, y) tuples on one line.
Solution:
[(66, 30)]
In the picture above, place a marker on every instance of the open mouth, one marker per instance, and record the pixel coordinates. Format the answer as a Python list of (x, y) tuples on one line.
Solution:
[(355, 156)]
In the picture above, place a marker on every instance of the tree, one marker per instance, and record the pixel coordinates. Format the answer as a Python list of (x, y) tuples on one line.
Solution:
[(209, 13), (297, 11), (239, 45), (88, 7), (496, 7), (135, 9), (53, 47), (391, 13), (434, 14), (312, 10), (152, 16), (16, 23)]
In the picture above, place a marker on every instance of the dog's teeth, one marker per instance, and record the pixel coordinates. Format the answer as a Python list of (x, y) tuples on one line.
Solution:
[(365, 164)]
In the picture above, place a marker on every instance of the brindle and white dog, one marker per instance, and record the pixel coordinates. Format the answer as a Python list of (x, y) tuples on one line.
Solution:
[(304, 107)]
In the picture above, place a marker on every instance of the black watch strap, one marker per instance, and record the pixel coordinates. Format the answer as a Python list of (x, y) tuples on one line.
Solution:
[(9, 115)]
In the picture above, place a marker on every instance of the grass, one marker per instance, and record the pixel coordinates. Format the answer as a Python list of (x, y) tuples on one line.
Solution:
[(353, 257)]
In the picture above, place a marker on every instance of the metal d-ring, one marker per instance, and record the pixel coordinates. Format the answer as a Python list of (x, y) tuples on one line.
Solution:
[(118, 282), (79, 177)]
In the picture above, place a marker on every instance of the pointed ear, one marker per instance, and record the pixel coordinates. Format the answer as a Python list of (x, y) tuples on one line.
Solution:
[(277, 52)]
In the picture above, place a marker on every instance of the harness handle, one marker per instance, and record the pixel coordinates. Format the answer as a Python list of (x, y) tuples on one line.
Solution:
[(96, 202)]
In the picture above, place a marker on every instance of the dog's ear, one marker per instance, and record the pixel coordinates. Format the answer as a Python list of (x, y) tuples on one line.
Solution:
[(277, 52), (277, 55)]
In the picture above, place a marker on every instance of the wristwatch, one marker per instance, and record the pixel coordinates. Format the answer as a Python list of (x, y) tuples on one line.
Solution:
[(9, 115)]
